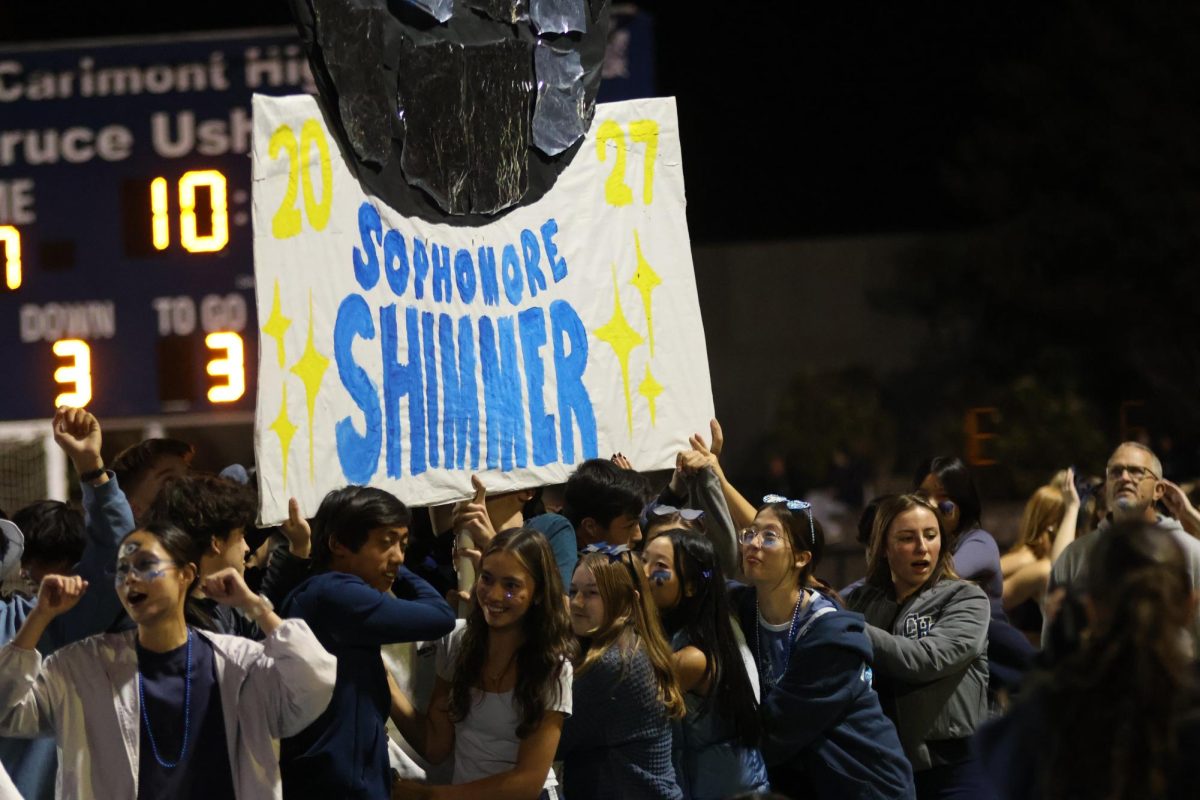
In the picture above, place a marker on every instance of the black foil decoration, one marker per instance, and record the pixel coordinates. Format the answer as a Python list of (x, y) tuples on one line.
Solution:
[(509, 12), (467, 130), (559, 16), (441, 10), (351, 38), (562, 113), (437, 119)]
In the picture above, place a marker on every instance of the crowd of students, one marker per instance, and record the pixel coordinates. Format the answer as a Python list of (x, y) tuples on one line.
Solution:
[(630, 644)]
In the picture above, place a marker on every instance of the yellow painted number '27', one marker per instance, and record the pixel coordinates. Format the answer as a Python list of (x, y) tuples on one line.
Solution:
[(645, 131), (287, 221)]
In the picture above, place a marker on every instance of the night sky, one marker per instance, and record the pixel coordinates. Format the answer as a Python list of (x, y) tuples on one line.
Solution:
[(853, 105)]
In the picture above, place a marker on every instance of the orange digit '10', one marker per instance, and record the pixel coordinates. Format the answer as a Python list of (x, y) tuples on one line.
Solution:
[(189, 236)]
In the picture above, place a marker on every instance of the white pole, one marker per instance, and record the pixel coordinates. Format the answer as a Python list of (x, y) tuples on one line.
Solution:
[(56, 468)]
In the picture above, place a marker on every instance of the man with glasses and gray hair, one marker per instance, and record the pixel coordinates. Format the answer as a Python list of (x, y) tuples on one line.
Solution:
[(1133, 485)]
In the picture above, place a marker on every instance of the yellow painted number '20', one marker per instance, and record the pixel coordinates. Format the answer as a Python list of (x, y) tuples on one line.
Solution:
[(287, 220)]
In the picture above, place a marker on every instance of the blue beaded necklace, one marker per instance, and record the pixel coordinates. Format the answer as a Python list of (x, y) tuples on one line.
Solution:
[(764, 668), (187, 707)]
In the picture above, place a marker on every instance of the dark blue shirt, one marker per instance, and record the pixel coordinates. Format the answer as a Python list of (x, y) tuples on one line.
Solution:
[(203, 771), (344, 753)]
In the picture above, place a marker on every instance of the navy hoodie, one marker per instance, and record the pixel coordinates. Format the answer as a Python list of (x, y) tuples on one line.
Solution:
[(343, 754), (825, 734)]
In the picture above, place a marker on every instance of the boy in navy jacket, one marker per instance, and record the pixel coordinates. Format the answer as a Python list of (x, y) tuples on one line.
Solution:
[(359, 535)]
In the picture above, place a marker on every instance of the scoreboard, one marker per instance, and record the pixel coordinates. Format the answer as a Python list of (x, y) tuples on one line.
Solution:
[(125, 221)]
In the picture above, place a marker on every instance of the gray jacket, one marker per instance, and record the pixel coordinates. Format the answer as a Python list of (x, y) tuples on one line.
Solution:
[(931, 653), (704, 493), (1070, 570)]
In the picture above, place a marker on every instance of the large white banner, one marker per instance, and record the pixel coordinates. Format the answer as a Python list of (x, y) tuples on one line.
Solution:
[(408, 355)]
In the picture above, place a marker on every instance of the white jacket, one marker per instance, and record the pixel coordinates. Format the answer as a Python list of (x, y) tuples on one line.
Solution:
[(86, 696)]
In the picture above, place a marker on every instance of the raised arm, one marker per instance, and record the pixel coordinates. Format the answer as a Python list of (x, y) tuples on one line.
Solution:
[(30, 690), (109, 519), (957, 638), (741, 510), (1065, 534), (705, 493), (1176, 501), (287, 567)]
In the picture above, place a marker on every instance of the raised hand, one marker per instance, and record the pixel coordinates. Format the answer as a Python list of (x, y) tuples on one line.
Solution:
[(229, 588), (1070, 493), (718, 438), (621, 461), (297, 531), (1176, 501), (77, 432), (58, 594), (689, 462), (472, 517)]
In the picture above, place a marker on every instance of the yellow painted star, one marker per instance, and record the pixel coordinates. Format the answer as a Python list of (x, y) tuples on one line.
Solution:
[(651, 389), (277, 323), (310, 369), (285, 430), (645, 280), (622, 339)]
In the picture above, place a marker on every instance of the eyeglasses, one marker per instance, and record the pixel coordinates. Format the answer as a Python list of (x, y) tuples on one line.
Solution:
[(146, 569), (766, 537), (1114, 472)]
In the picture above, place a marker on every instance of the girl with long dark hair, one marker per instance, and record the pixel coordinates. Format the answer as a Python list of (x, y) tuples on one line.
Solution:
[(825, 734), (947, 483), (1120, 719), (196, 714), (504, 681), (618, 743), (716, 744)]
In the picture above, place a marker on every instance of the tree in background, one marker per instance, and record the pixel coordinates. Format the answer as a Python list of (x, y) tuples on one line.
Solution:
[(1081, 287)]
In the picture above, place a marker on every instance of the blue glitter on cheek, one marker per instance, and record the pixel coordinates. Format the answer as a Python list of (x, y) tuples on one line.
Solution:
[(660, 576)]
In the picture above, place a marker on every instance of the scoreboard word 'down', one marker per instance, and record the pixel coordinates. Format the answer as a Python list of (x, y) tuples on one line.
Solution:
[(125, 221)]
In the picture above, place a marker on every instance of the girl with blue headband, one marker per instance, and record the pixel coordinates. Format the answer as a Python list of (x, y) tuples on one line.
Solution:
[(824, 731)]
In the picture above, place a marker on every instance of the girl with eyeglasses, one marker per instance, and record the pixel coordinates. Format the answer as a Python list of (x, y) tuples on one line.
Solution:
[(716, 745), (928, 629), (504, 681), (164, 710), (824, 732), (617, 742)]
